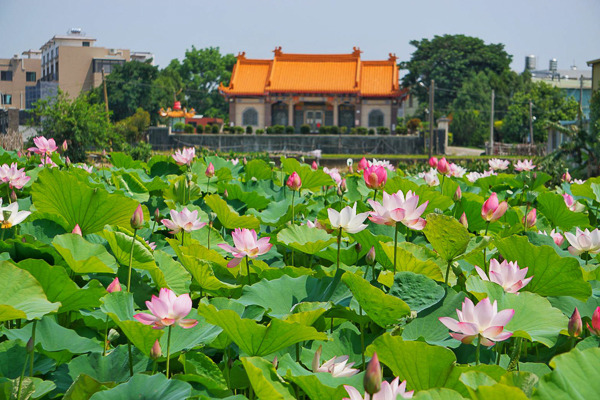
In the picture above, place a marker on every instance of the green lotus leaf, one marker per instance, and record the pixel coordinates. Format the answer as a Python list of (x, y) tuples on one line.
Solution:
[(147, 387), (553, 207), (265, 381), (228, 218), (21, 295), (553, 275), (382, 308), (305, 239), (12, 360), (310, 179), (448, 237), (258, 169), (204, 370), (176, 276), (70, 196), (120, 242), (418, 291), (251, 199), (407, 261), (438, 394), (84, 257), (85, 386)]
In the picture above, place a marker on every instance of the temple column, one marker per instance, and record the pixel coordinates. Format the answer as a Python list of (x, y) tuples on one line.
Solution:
[(232, 110), (267, 120), (291, 111), (335, 112)]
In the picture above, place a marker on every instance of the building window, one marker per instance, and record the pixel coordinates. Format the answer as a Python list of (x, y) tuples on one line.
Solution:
[(108, 65), (375, 118), (30, 77), (6, 76), (7, 99), (85, 44), (250, 117)]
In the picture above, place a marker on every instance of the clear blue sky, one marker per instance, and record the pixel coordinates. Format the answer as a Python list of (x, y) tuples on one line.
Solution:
[(562, 29)]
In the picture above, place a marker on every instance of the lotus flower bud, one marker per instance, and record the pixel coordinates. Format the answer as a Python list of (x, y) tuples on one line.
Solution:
[(67, 161), (245, 161), (362, 164), (156, 214), (575, 324), (65, 146), (443, 167), (566, 177), (358, 247), (103, 152), (433, 162), (370, 257), (137, 219), (226, 194), (350, 170), (13, 196), (155, 351), (457, 194), (210, 171), (113, 335), (294, 182), (77, 230), (463, 220), (373, 376), (30, 345), (275, 362), (339, 192), (19, 154), (343, 186), (530, 219), (595, 328), (492, 210), (114, 286), (314, 166)]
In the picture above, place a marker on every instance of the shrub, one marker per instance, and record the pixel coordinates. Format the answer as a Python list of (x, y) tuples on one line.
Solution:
[(353, 131), (289, 129), (335, 130), (413, 124), (279, 129), (371, 131), (199, 129), (260, 131), (270, 130), (361, 130), (142, 152), (188, 128), (450, 138), (215, 129), (401, 129), (239, 130), (179, 127), (382, 130), (249, 129), (305, 128), (324, 130), (344, 130)]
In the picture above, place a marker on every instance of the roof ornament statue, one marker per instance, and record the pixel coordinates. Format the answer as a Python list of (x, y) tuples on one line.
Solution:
[(278, 51), (176, 112)]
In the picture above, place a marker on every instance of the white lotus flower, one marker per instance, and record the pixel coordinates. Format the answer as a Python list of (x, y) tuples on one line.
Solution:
[(347, 219), (11, 216), (584, 242)]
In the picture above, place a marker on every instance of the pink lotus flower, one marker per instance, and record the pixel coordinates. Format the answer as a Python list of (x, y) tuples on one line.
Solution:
[(443, 167), (235, 161), (185, 156), (16, 178), (338, 367), (497, 164), (566, 177), (458, 194), (334, 174), (575, 324), (77, 230), (168, 309), (210, 171), (150, 244), (114, 286), (456, 171), (65, 146), (315, 224), (556, 236), (156, 351), (433, 162), (381, 163), (137, 218), (530, 219), (314, 166), (389, 391), (246, 244), (184, 220), (524, 165), (294, 182), (508, 275), (482, 320), (431, 177), (463, 220), (47, 162), (373, 376), (43, 146), (85, 167), (375, 177), (397, 208), (362, 164), (570, 202), (347, 219), (492, 211), (583, 241), (595, 328)]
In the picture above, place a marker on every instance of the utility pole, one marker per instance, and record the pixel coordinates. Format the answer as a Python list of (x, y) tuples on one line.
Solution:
[(492, 124), (431, 93), (105, 96), (581, 97), (530, 122)]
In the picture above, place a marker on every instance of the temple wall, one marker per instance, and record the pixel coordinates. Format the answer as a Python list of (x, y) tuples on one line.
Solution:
[(386, 108), (242, 105)]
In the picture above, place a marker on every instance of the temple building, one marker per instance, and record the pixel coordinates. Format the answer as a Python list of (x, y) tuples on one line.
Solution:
[(315, 90)]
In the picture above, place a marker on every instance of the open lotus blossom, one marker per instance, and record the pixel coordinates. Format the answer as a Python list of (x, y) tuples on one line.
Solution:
[(456, 171), (431, 177), (498, 165), (235, 161), (11, 216), (506, 274), (381, 163), (347, 219), (86, 168), (570, 202), (185, 220), (579, 181), (15, 177), (168, 309), (375, 177), (595, 328), (47, 162), (185, 156), (492, 210), (150, 244), (389, 391), (482, 320), (556, 236), (398, 208), (43, 146), (246, 245), (334, 173), (474, 176), (315, 224), (524, 165), (584, 242), (338, 367)]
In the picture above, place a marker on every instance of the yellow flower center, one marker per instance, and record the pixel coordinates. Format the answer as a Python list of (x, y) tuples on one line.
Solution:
[(5, 225)]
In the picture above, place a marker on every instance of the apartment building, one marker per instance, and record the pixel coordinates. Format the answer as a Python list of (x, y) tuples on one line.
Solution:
[(16, 74)]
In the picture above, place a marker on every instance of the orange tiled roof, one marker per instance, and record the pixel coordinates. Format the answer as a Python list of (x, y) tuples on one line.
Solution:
[(312, 73)]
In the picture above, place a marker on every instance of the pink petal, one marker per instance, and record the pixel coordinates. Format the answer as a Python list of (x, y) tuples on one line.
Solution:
[(182, 306), (450, 323), (466, 339), (146, 319), (503, 317), (468, 328), (187, 323), (234, 262)]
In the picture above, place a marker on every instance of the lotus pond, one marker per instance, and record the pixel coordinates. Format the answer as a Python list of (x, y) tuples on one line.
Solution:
[(208, 278)]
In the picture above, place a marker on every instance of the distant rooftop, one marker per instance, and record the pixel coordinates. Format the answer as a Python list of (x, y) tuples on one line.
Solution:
[(573, 73), (72, 34)]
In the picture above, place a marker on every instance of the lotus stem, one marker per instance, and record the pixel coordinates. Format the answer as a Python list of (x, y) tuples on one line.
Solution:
[(375, 195), (293, 194), (514, 358), (339, 242), (130, 357), (169, 348), (499, 351), (485, 267), (8, 194), (362, 338), (442, 185), (448, 272), (105, 337), (395, 245), (23, 376), (33, 350), (248, 270), (478, 349), (131, 261)]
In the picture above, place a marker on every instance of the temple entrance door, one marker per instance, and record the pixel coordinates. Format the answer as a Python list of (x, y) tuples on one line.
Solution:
[(314, 119)]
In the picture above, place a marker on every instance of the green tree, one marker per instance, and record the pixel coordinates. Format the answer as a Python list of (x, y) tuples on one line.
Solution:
[(471, 111), (202, 70), (132, 128), (82, 122), (449, 60), (549, 104)]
